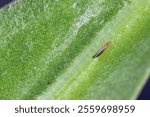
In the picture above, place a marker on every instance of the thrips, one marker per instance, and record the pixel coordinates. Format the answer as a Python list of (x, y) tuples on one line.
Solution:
[(102, 49)]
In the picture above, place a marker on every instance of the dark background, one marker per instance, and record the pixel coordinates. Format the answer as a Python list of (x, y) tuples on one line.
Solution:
[(4, 2), (145, 93)]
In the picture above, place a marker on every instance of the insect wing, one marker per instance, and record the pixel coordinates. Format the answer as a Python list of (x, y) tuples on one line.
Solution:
[(99, 52)]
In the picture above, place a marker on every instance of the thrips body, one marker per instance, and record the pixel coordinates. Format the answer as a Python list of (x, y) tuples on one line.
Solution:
[(102, 49)]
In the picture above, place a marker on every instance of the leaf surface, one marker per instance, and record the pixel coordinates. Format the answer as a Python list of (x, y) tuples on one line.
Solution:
[(46, 49)]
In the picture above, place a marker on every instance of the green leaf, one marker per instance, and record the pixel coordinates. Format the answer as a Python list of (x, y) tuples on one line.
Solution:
[(46, 49)]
